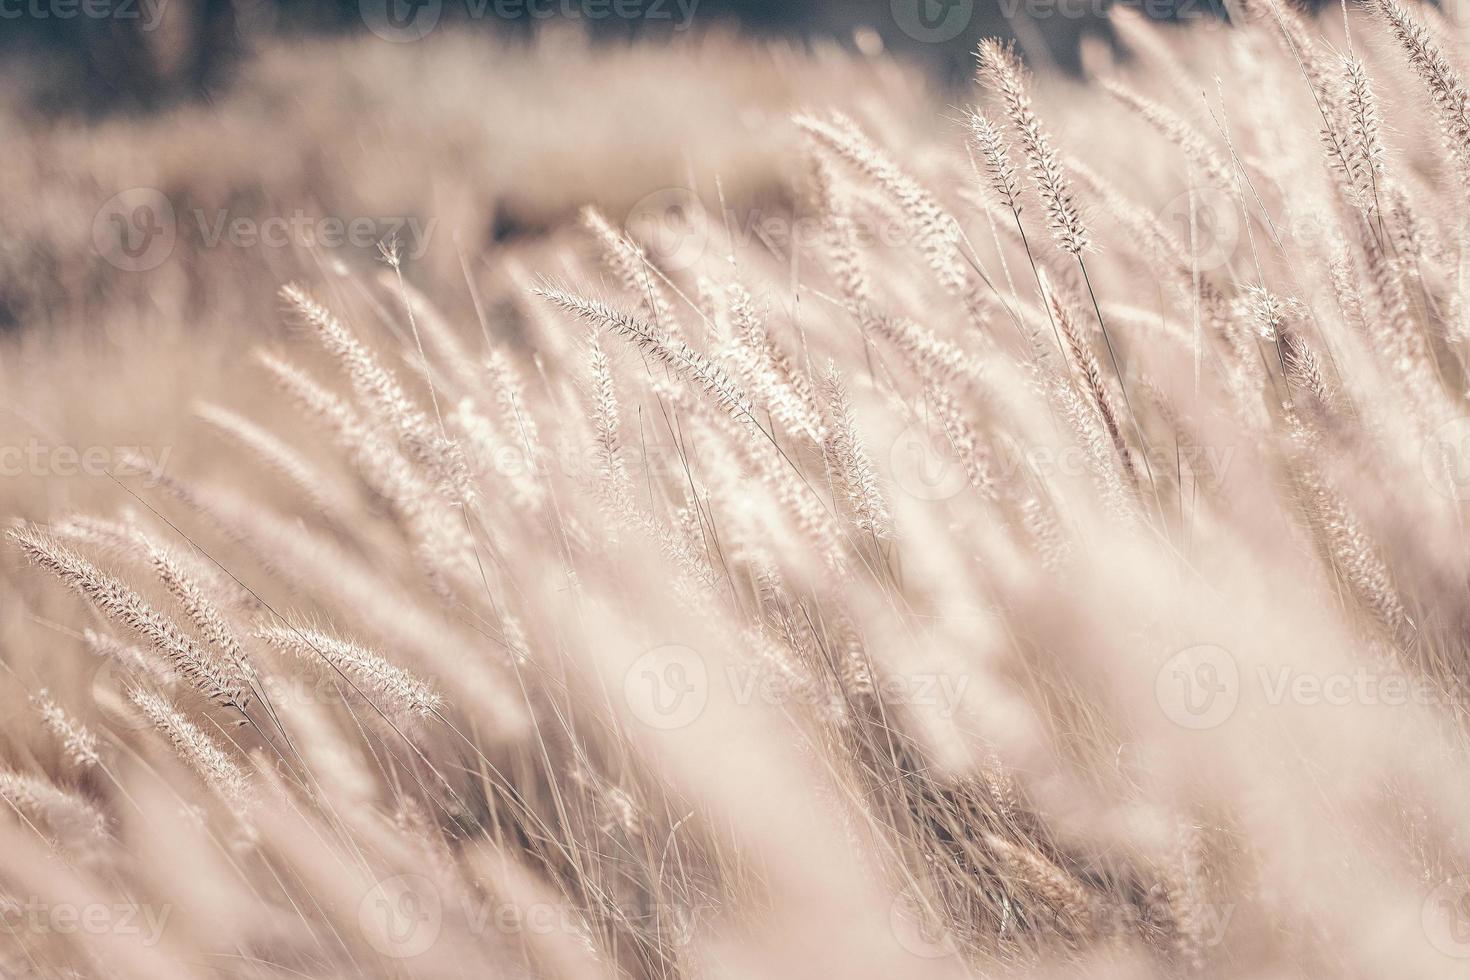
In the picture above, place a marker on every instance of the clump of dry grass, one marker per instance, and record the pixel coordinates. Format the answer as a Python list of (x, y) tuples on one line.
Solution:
[(1066, 581)]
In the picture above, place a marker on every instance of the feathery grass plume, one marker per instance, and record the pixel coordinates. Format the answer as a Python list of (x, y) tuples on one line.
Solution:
[(510, 403), (200, 752), (1093, 437), (607, 420), (1274, 318), (973, 453), (381, 467), (444, 342), (79, 744), (1001, 70), (1092, 379), (495, 455), (936, 233), (399, 691), (1050, 540), (218, 680), (852, 470), (1186, 897), (1394, 331), (385, 398), (1062, 893), (1160, 247), (107, 647), (786, 390), (928, 354), (991, 143), (1447, 92), (202, 611), (116, 540), (1351, 553), (1304, 369), (445, 550), (1195, 147), (1366, 152), (302, 479), (840, 238), (987, 138), (125, 542), (685, 361), (72, 818), (225, 513), (630, 263), (316, 401)]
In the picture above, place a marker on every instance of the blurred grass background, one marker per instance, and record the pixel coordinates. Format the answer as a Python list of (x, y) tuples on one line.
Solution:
[(148, 53)]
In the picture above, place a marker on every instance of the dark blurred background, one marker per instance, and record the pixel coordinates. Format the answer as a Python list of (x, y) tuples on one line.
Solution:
[(102, 56)]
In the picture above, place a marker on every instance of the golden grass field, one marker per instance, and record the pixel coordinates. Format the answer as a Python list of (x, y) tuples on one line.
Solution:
[(719, 509)]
